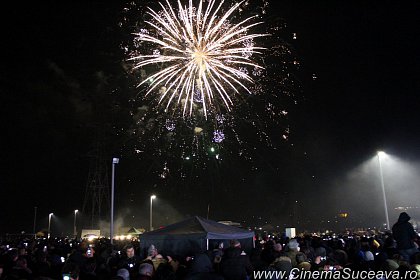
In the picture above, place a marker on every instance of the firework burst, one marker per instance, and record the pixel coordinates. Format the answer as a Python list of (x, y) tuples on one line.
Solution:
[(183, 143), (203, 57)]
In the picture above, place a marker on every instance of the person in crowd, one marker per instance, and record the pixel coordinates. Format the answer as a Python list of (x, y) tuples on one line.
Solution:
[(154, 256), (292, 249), (405, 235), (129, 261), (302, 261), (123, 274), (165, 271), (41, 266), (9, 260), (146, 271), (202, 269), (282, 264), (235, 264), (67, 259), (268, 252), (21, 270)]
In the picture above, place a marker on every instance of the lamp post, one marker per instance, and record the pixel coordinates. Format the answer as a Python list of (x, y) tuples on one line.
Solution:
[(49, 224), (34, 230), (74, 225), (151, 211), (111, 231), (381, 155)]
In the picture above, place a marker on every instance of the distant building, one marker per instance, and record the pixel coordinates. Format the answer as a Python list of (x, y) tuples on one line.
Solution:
[(230, 223)]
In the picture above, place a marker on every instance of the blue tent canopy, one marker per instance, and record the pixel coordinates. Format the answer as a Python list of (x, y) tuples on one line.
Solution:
[(193, 236)]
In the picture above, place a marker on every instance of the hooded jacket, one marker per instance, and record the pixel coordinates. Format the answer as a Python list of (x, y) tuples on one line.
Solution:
[(404, 232)]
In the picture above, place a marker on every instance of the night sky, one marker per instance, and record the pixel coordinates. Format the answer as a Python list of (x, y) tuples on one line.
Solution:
[(63, 78)]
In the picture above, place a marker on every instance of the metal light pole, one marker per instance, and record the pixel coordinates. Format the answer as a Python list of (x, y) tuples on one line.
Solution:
[(74, 225), (49, 225), (381, 154), (111, 231), (151, 211), (35, 208)]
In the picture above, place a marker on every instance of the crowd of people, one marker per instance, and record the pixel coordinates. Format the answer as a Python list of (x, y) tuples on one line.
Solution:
[(61, 258)]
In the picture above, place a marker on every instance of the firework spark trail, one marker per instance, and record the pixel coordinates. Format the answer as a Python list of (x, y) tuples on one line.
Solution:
[(201, 51)]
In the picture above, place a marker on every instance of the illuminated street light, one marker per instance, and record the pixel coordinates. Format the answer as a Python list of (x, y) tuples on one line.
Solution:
[(49, 224), (151, 211), (382, 155), (111, 231), (74, 226)]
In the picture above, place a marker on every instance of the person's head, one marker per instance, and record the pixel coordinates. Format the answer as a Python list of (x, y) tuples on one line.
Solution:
[(13, 254), (301, 257), (368, 256), (21, 262), (22, 252), (390, 265), (304, 266), (404, 217), (129, 251), (235, 243), (146, 269), (321, 252), (123, 273), (341, 257), (277, 247), (293, 244), (283, 264), (152, 251)]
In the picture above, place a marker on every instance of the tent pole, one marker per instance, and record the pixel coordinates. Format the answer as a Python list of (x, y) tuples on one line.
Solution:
[(207, 244)]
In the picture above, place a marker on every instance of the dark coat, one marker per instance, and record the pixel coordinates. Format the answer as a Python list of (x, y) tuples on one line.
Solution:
[(404, 232), (235, 266), (202, 269)]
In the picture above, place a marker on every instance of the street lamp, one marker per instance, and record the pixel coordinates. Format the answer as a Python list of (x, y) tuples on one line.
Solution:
[(381, 175), (151, 211), (111, 232), (34, 230), (74, 227), (49, 225)]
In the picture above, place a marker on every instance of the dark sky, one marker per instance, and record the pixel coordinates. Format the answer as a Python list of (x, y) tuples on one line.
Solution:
[(61, 58)]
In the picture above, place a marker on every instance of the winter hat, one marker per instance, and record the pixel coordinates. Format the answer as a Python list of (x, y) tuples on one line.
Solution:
[(368, 256), (304, 266), (391, 265), (404, 217), (123, 273), (320, 251), (293, 244), (283, 264), (278, 247), (146, 269)]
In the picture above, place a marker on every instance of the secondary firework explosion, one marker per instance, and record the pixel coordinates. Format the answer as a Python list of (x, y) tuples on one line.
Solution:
[(203, 57)]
